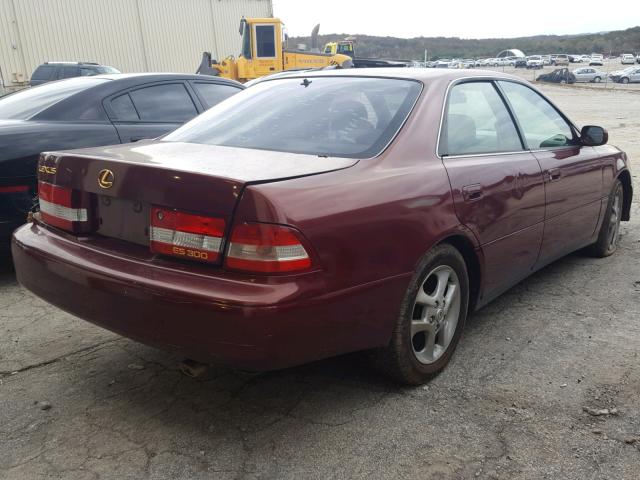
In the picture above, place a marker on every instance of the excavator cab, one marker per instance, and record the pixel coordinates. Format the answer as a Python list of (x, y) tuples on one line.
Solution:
[(261, 47), (344, 47), (262, 53)]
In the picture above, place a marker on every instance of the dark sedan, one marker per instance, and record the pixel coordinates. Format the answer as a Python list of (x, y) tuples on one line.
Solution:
[(368, 210), (560, 75), (88, 112)]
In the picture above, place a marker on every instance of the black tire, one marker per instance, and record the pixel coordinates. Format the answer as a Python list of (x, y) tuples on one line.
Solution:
[(597, 79), (608, 239), (397, 360), (624, 80)]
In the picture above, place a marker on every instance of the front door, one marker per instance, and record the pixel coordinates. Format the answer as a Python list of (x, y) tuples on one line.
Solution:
[(497, 185), (572, 173)]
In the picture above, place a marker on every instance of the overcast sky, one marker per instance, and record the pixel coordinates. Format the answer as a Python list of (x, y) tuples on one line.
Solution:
[(456, 18)]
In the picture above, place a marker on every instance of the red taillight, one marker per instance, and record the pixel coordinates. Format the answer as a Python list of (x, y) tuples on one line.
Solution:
[(14, 189), (266, 248), (61, 207), (186, 235)]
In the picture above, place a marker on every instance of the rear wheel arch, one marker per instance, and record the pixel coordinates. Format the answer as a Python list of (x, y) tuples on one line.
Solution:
[(471, 259), (625, 179)]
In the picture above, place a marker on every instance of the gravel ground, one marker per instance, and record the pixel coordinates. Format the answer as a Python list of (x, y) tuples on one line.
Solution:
[(77, 402)]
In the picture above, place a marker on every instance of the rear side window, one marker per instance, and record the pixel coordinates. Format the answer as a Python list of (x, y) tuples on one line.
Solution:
[(43, 72), (123, 108), (213, 93), (352, 117), (477, 121), (542, 125), (164, 103)]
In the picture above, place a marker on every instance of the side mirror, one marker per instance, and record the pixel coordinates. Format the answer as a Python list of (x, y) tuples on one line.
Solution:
[(592, 136)]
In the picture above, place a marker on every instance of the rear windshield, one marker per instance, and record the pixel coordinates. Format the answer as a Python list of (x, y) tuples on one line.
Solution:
[(29, 102), (352, 117)]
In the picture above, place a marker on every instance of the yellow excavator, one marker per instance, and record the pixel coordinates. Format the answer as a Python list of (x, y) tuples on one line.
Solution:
[(263, 53), (348, 47)]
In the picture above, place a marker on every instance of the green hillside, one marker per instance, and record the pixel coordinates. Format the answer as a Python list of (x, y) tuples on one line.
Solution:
[(616, 42)]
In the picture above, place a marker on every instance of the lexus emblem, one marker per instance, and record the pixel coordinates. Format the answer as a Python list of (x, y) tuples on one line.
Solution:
[(106, 178)]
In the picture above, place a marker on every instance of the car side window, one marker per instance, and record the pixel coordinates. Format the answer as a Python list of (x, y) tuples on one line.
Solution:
[(541, 124), (67, 72), (477, 121), (87, 72), (169, 102), (214, 93), (123, 108)]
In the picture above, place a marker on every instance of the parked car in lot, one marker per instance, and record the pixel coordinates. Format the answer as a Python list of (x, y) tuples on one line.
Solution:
[(443, 63), (560, 75), (50, 71), (534, 62), (628, 75), (627, 59), (355, 215), (520, 62), (86, 112), (589, 74), (560, 60), (596, 60)]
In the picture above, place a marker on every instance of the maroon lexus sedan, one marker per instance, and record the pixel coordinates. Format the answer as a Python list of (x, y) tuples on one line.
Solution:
[(320, 213)]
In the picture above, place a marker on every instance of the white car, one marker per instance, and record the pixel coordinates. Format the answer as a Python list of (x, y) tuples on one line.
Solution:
[(596, 59), (627, 59), (589, 74), (442, 63), (628, 75), (534, 61)]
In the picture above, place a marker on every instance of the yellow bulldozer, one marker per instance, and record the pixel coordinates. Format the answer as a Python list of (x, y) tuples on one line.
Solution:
[(263, 53)]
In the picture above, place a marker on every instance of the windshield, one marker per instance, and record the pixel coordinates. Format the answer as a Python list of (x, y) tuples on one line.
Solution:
[(107, 70), (352, 117), (27, 103)]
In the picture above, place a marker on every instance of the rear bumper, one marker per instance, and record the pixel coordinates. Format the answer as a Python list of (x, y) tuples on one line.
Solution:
[(246, 323)]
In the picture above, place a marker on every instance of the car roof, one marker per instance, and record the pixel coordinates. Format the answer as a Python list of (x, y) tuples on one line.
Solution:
[(409, 73), (158, 77)]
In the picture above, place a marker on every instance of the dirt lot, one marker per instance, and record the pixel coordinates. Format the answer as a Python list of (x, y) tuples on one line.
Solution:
[(77, 402)]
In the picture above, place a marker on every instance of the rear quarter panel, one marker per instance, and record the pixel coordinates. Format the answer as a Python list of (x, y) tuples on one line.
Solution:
[(373, 220)]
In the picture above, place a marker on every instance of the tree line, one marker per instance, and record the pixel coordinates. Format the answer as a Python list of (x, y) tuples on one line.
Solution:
[(606, 43)]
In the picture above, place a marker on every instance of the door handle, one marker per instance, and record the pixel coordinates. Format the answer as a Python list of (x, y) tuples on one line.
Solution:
[(554, 174), (472, 192)]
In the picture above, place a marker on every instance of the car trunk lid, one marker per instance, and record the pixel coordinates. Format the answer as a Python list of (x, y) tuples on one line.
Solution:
[(123, 182)]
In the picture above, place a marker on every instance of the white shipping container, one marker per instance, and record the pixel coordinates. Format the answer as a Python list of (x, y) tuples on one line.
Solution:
[(130, 35)]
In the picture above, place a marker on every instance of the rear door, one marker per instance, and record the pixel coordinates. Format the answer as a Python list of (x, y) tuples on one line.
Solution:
[(497, 185), (573, 173), (151, 110)]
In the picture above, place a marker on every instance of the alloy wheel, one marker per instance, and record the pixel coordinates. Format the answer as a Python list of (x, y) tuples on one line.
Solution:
[(435, 315), (614, 220)]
